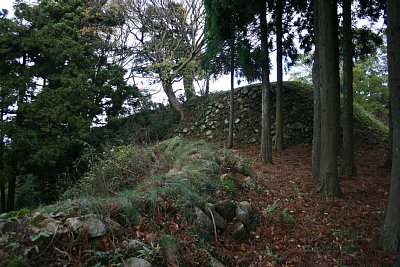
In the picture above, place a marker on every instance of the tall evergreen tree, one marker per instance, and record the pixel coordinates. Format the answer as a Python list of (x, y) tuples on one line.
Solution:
[(390, 233), (56, 69), (266, 138), (348, 166), (226, 22), (330, 97), (279, 81)]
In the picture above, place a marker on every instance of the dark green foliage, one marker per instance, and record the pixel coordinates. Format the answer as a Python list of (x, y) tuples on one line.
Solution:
[(55, 81), (147, 126)]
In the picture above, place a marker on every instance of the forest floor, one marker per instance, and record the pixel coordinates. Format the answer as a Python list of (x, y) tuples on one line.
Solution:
[(335, 231)]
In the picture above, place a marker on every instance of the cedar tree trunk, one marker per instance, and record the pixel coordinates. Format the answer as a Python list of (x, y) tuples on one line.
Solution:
[(348, 168), (330, 97), (266, 140), (316, 141), (390, 233), (279, 87)]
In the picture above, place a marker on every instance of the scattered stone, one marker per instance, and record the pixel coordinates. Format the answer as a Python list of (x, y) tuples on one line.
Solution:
[(10, 226), (297, 126), (214, 262), (243, 212), (185, 130), (237, 121), (220, 222), (209, 132), (50, 225), (221, 106), (226, 121), (137, 245), (90, 223), (114, 227), (239, 232), (226, 208), (136, 262), (252, 140), (202, 219)]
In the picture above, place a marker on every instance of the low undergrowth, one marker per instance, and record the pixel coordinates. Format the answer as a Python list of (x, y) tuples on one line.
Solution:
[(152, 192)]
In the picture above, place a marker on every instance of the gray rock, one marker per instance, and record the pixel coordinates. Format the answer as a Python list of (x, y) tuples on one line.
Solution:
[(239, 232), (221, 105), (245, 90), (226, 208), (243, 212), (10, 226), (252, 140), (90, 223), (202, 219), (137, 244), (237, 121), (136, 262), (50, 225), (114, 227), (215, 263), (220, 222), (185, 130), (298, 126), (209, 132)]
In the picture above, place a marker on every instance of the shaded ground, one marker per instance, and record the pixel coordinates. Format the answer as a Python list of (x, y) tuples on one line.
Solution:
[(328, 231)]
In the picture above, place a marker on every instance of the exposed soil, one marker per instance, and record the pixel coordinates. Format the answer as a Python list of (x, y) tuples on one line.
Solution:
[(336, 231)]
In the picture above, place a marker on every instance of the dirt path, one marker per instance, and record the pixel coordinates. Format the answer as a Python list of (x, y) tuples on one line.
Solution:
[(326, 232)]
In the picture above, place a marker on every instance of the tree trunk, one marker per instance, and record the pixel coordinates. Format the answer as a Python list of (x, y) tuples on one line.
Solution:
[(188, 87), (389, 154), (207, 90), (316, 141), (232, 92), (172, 100), (266, 140), (390, 233), (2, 196), (330, 97), (348, 168), (2, 166), (12, 182), (279, 87)]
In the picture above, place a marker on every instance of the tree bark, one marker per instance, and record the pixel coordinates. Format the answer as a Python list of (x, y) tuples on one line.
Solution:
[(330, 98), (188, 87), (348, 168), (389, 148), (11, 192), (390, 233), (266, 140), (172, 100), (316, 141), (2, 196), (279, 55), (231, 95)]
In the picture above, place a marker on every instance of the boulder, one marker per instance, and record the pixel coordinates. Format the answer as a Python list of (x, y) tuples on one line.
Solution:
[(243, 212), (202, 220), (10, 226), (219, 221), (238, 232), (136, 262), (90, 223), (226, 208)]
